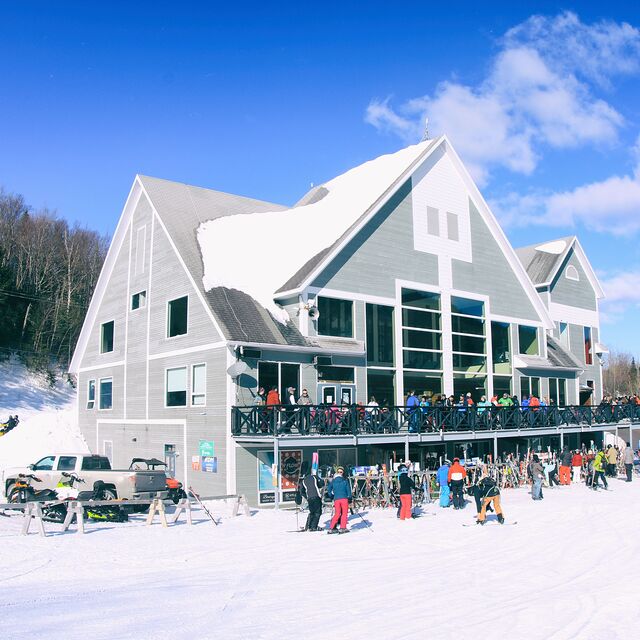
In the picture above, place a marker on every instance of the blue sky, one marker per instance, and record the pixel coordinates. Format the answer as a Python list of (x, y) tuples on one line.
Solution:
[(541, 100)]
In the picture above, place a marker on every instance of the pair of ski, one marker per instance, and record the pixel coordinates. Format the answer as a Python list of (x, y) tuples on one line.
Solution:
[(199, 501)]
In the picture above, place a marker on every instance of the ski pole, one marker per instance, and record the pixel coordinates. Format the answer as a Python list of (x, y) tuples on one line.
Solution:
[(363, 520)]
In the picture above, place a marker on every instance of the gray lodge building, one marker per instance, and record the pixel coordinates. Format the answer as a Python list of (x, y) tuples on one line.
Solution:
[(417, 289)]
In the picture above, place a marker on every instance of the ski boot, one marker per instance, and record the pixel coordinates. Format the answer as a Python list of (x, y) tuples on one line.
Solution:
[(480, 522), (500, 518)]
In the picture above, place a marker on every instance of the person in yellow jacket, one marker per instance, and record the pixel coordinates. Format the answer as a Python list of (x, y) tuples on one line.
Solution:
[(599, 465), (612, 461)]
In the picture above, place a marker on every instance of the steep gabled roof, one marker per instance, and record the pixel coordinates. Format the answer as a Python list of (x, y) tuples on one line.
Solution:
[(543, 262)]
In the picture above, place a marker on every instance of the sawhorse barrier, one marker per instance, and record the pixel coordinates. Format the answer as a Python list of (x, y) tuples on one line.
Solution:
[(239, 502)]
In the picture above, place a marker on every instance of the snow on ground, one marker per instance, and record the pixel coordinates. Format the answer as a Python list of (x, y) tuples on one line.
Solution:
[(48, 416), (566, 570)]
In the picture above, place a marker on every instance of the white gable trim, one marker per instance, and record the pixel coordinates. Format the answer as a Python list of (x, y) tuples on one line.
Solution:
[(368, 214), (205, 304), (498, 234), (584, 263), (105, 274)]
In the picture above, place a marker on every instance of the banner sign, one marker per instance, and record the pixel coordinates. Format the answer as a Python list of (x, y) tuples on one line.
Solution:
[(210, 464), (207, 448), (290, 462)]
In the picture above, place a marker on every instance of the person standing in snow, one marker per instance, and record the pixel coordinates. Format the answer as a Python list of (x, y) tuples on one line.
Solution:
[(599, 466), (406, 486), (612, 461), (576, 463), (489, 494), (340, 490), (537, 473), (565, 466), (310, 486), (442, 478), (628, 462), (456, 477)]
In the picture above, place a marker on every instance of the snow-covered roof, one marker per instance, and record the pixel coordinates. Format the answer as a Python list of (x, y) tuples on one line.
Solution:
[(543, 260), (257, 253)]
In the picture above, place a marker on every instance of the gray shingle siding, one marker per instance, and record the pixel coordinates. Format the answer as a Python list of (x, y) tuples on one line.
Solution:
[(571, 292)]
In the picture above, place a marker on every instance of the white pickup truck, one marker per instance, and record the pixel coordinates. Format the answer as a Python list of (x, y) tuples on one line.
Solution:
[(124, 485)]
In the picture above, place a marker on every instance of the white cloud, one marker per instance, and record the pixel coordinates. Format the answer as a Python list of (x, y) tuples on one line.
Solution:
[(611, 205), (539, 91), (622, 291)]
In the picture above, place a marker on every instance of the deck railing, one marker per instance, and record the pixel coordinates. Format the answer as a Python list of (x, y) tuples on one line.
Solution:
[(324, 420)]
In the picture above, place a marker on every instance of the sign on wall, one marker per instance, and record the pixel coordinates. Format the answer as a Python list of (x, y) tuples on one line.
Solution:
[(195, 463), (207, 448), (290, 462), (210, 464)]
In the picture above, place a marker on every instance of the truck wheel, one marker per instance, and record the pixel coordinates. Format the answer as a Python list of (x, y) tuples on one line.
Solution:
[(109, 494)]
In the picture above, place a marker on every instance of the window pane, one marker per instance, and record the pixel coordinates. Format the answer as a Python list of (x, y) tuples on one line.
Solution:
[(421, 339), (381, 386), (467, 307), (525, 385), (422, 384), (452, 227), (289, 377), (501, 384), (336, 374), (106, 338), (500, 348), (379, 335), (106, 388), (420, 319), (138, 300), (422, 360), (469, 363), (336, 317), (467, 325), (463, 384), (177, 387), (66, 463), (198, 383), (588, 355), (433, 221), (46, 464), (468, 344), (562, 392), (178, 310), (91, 394), (528, 340), (268, 376), (535, 387), (421, 299)]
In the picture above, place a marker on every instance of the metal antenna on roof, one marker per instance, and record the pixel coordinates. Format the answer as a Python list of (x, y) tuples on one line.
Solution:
[(425, 135)]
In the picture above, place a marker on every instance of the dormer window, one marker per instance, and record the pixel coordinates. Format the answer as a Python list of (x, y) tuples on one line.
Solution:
[(572, 273)]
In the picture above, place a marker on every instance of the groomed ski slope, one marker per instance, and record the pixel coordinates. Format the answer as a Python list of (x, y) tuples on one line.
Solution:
[(566, 570)]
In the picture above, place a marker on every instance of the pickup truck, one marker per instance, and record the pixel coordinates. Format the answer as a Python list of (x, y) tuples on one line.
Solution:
[(122, 485)]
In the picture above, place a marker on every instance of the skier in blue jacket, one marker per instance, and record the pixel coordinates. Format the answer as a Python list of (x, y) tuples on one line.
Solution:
[(442, 478)]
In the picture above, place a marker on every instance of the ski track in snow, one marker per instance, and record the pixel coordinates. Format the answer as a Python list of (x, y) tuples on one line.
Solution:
[(564, 572)]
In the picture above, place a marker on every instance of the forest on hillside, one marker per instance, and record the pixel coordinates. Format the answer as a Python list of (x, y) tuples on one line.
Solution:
[(48, 271)]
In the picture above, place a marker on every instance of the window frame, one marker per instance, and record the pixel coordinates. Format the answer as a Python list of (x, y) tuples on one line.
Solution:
[(193, 393), (100, 381), (353, 320), (142, 295), (571, 273), (168, 318), (538, 342), (113, 336), (588, 352), (184, 368), (91, 401)]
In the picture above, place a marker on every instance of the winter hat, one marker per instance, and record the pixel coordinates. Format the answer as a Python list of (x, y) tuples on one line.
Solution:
[(402, 469)]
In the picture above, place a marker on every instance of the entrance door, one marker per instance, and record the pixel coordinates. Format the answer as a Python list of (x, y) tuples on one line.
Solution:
[(338, 393)]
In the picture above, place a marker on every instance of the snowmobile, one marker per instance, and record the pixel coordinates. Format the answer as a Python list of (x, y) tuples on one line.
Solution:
[(22, 490), (174, 487)]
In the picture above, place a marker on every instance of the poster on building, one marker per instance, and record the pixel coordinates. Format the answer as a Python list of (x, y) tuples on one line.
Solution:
[(207, 448), (265, 475), (210, 464), (195, 463), (290, 462)]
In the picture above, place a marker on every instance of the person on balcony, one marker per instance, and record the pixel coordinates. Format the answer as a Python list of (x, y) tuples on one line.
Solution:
[(305, 398), (505, 401), (412, 412), (456, 477), (339, 490), (442, 478), (273, 397)]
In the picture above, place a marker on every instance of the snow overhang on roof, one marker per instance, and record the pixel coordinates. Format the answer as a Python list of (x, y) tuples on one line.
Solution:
[(258, 252)]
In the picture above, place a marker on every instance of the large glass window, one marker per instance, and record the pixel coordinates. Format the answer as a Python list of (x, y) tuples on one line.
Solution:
[(422, 359), (336, 374), (379, 335), (528, 340), (199, 385), (336, 317), (558, 391), (381, 386), (420, 299), (176, 395), (106, 337), (422, 383), (280, 375), (588, 352), (422, 339), (177, 320), (500, 347), (501, 385), (421, 334), (529, 387), (106, 393)]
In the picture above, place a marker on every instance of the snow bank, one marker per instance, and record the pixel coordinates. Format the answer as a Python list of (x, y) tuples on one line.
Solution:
[(257, 253), (48, 416), (565, 571)]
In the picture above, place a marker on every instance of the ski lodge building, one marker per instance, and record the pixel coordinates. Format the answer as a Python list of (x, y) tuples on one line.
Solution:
[(392, 277)]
